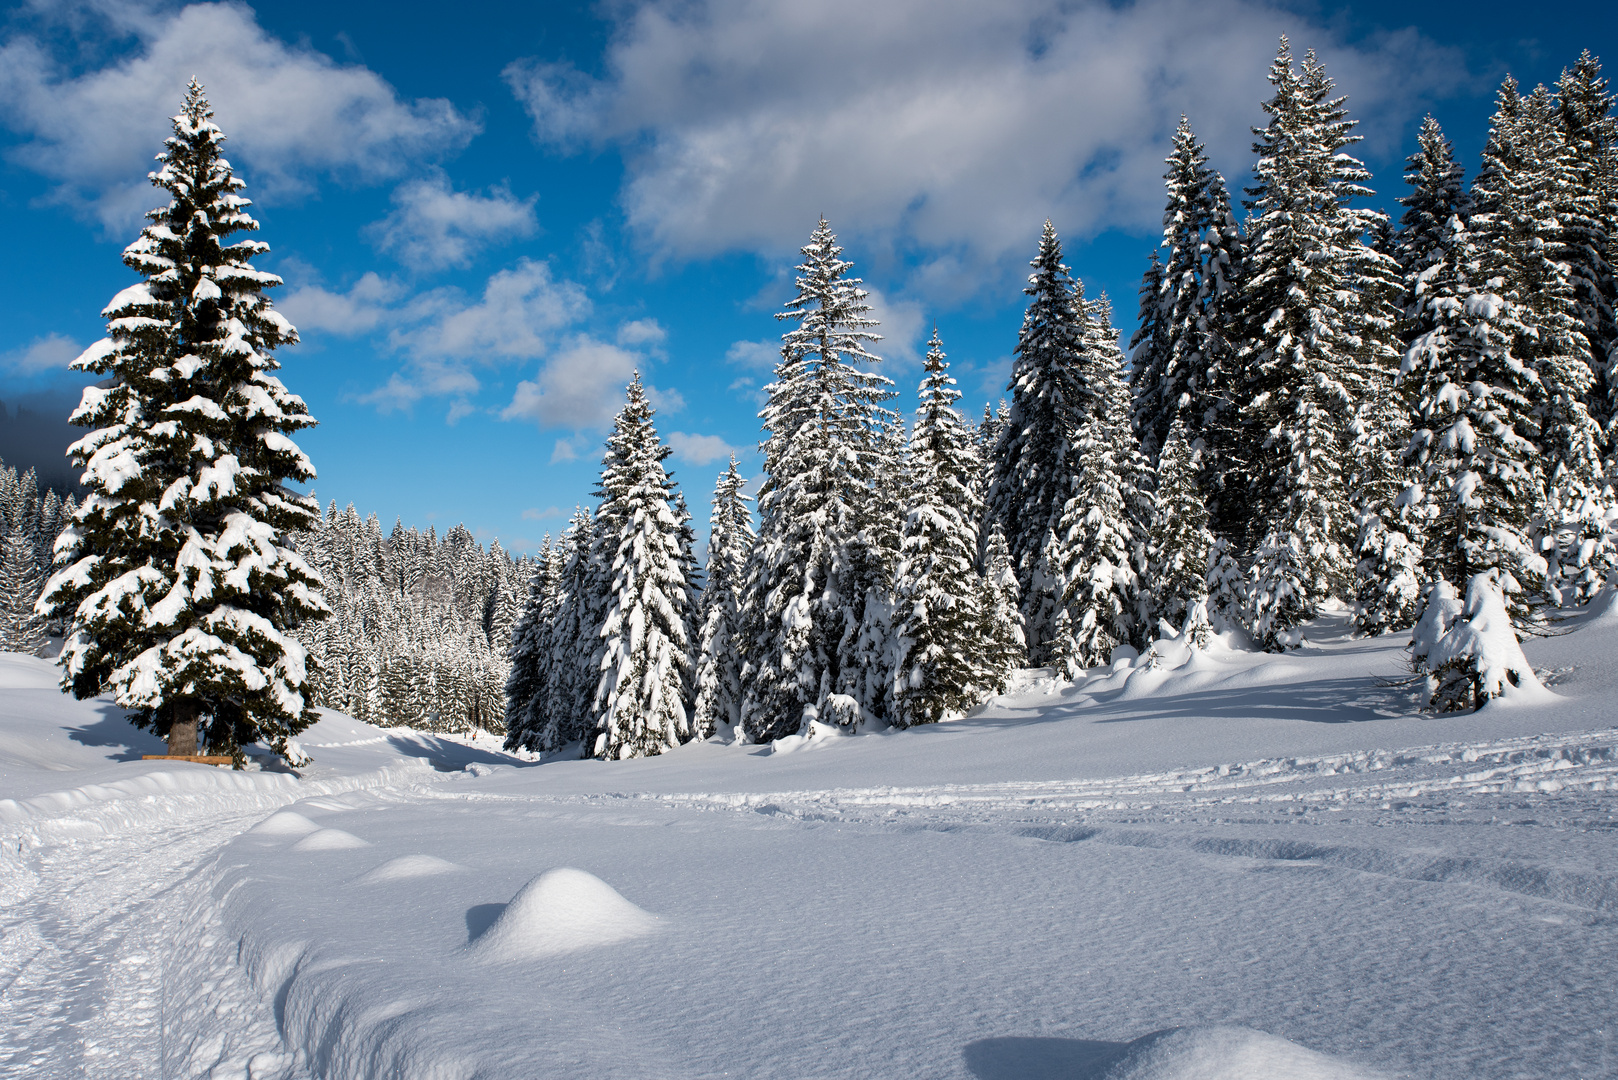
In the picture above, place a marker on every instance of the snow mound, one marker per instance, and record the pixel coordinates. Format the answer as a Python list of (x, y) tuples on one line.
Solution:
[(408, 866), (19, 671), (560, 911), (329, 840), (1226, 1053), (285, 823)]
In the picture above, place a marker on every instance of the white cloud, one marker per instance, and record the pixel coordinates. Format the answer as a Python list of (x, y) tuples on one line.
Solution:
[(435, 226), (642, 332), (759, 355), (903, 326), (358, 311), (534, 513), (700, 449), (291, 112), (517, 318), (567, 448), (582, 386), (952, 127), (51, 353)]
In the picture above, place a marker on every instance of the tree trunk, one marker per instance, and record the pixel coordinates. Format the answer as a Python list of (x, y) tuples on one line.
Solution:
[(183, 730)]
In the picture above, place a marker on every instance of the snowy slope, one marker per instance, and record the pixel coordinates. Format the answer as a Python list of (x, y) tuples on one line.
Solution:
[(1242, 866)]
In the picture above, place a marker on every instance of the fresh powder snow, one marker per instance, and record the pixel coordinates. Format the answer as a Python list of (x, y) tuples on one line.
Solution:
[(1195, 862)]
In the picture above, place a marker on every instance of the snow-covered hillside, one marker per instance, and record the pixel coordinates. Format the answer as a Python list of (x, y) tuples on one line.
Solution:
[(1275, 855)]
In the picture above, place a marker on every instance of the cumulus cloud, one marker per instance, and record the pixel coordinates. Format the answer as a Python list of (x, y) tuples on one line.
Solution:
[(42, 356), (642, 332), (953, 127), (291, 112), (582, 386), (756, 355), (517, 318), (434, 226), (700, 449), (357, 311)]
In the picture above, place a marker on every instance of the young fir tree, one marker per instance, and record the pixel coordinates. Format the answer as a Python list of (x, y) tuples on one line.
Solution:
[(21, 630), (1531, 215), (809, 574), (938, 623), (719, 663), (640, 701), (1310, 348), (177, 570), (1180, 537), (1003, 648), (1035, 459)]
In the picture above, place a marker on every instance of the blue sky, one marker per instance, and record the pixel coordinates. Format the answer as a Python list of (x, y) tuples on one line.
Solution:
[(488, 215)]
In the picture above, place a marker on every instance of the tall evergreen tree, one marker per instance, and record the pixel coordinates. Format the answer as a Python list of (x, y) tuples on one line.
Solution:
[(940, 667), (1311, 347), (530, 646), (719, 665), (1035, 459), (1531, 215), (1180, 361), (640, 702), (811, 569), (177, 569)]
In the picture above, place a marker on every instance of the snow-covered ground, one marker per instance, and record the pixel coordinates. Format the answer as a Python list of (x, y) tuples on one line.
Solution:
[(1277, 856)]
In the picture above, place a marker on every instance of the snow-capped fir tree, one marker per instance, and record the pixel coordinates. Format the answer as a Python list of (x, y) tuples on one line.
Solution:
[(572, 668), (1035, 459), (874, 561), (1180, 537), (530, 648), (823, 451), (640, 702), (1530, 215), (1002, 646), (1469, 650), (1180, 357), (1310, 347), (1388, 570), (939, 640), (1471, 403), (183, 589), (21, 630), (1590, 129), (1437, 196), (719, 662)]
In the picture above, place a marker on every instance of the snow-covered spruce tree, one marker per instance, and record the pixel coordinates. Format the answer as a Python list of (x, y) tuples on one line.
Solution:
[(1311, 347), (823, 451), (1035, 459), (1106, 522), (1590, 129), (1422, 243), (1180, 355), (640, 702), (719, 662), (1530, 214), (21, 630), (530, 648), (571, 668), (1469, 651), (1180, 537), (937, 619), (1388, 552), (183, 590)]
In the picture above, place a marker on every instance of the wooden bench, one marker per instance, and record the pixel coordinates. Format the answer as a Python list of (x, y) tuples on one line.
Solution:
[(206, 759)]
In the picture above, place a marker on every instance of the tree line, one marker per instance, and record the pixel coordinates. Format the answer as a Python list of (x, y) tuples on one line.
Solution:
[(1318, 404)]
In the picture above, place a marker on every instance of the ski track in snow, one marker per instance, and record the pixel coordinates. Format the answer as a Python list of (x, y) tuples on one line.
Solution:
[(113, 962)]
